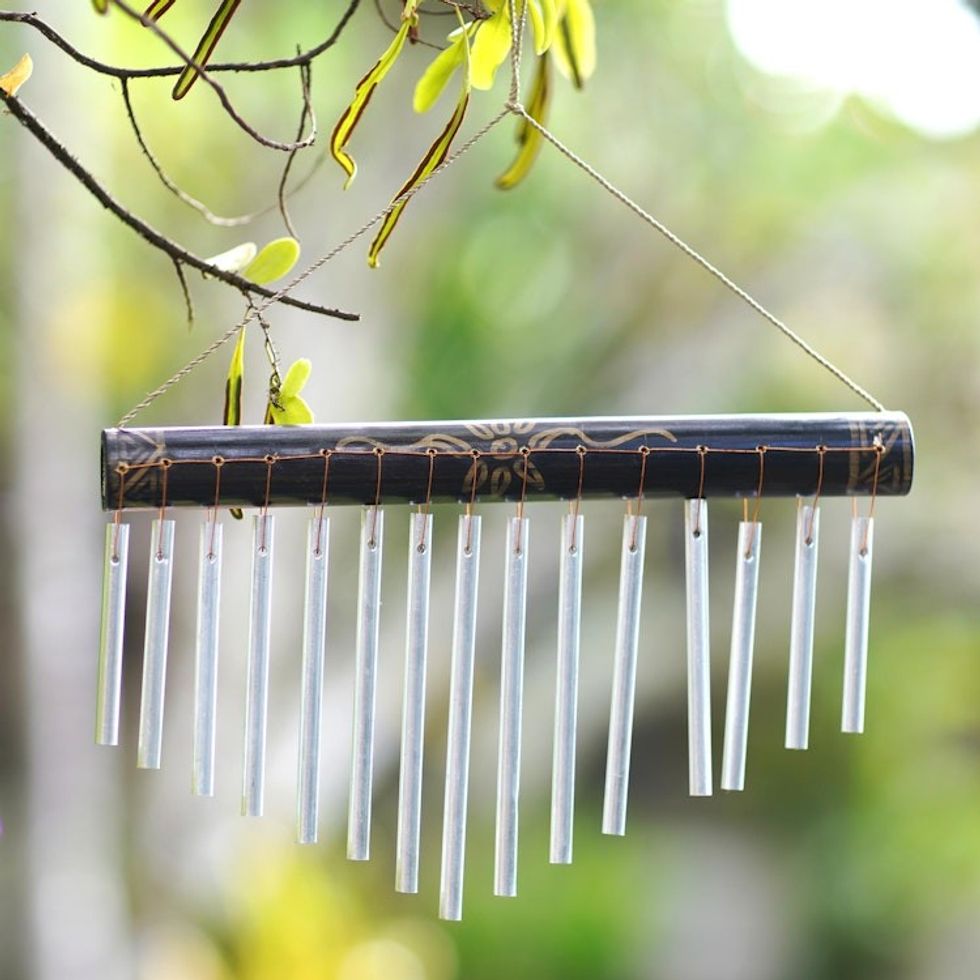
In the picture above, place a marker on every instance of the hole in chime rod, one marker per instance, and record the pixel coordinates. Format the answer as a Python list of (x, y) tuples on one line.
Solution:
[(805, 457)]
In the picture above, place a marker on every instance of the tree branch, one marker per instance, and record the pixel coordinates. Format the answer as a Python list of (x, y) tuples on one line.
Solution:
[(176, 252)]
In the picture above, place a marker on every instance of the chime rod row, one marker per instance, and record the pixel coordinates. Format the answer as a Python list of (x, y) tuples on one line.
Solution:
[(449, 461)]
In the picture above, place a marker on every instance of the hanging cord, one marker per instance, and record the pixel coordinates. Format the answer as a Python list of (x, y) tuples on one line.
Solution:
[(321, 510), (213, 516), (513, 106), (165, 465), (373, 536), (576, 507), (518, 542), (750, 544), (634, 536), (425, 510), (879, 452)]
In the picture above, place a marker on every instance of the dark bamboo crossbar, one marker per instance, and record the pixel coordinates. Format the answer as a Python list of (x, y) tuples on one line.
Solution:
[(849, 454)]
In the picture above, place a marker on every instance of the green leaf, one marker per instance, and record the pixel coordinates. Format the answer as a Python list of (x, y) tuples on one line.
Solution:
[(544, 23), (295, 411), (158, 8), (12, 80), (528, 138), (287, 407), (235, 259), (436, 77), (575, 52), (490, 48), (233, 383), (101, 6), (273, 262), (434, 156), (362, 95), (205, 47), (296, 377)]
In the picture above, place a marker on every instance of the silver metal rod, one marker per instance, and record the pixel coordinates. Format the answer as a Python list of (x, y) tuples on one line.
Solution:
[(698, 648), (801, 637), (109, 693), (566, 688), (365, 682), (150, 744), (413, 704), (740, 656), (624, 675), (206, 658), (259, 643), (856, 634), (311, 689), (460, 716), (511, 705)]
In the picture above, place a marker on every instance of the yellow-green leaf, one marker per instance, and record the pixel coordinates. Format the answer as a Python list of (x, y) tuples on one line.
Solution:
[(296, 377), (205, 47), (434, 156), (101, 6), (273, 262), (295, 411), (158, 8), (528, 138), (544, 22), (286, 407), (362, 95), (235, 259), (233, 383), (575, 52), (12, 80), (490, 47), (436, 77)]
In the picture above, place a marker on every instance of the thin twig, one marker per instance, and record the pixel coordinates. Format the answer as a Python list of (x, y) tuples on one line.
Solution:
[(149, 234), (304, 75), (168, 182), (150, 24), (185, 289), (307, 57)]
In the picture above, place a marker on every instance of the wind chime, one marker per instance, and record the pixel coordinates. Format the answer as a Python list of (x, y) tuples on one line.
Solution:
[(694, 459)]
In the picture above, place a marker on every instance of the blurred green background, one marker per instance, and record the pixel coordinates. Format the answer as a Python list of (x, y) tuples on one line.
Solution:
[(859, 858)]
